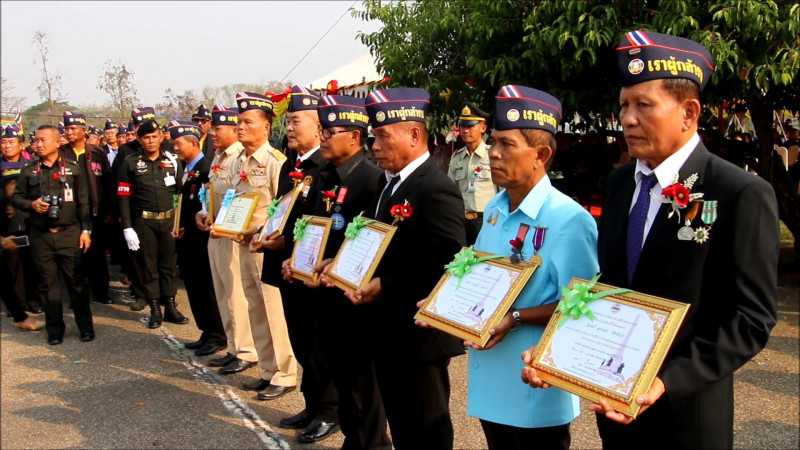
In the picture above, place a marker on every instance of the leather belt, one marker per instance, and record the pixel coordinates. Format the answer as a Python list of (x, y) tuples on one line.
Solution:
[(156, 215), (473, 215)]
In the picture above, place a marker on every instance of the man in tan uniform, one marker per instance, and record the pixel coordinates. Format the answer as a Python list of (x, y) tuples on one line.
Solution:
[(469, 168), (223, 253), (257, 169)]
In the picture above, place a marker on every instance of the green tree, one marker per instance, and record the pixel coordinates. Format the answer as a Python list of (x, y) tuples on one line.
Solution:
[(469, 48)]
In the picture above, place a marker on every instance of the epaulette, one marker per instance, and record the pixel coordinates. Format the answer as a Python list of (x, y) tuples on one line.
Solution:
[(278, 155)]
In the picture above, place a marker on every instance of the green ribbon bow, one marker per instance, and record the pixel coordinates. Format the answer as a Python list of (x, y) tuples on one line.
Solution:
[(273, 206), (463, 263), (300, 228), (174, 201), (354, 227), (576, 300)]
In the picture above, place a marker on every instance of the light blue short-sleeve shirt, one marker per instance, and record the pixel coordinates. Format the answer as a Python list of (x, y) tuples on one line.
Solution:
[(496, 392)]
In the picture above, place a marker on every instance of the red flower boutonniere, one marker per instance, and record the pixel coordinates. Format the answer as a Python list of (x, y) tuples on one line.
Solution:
[(296, 176), (516, 245), (401, 212), (478, 171), (678, 195), (215, 170), (328, 196), (191, 175), (243, 175), (55, 176)]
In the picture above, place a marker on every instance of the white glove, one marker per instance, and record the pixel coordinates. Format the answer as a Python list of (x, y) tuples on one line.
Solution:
[(131, 238)]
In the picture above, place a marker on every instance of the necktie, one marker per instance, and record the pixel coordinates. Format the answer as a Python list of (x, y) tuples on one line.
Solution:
[(384, 201), (636, 221)]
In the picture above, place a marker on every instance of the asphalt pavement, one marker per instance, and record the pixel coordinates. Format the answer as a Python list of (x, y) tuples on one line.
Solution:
[(139, 388)]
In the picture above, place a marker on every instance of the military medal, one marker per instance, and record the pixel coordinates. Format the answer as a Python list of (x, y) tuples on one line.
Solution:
[(518, 242), (492, 219), (327, 197), (709, 216), (538, 241), (686, 233), (340, 199)]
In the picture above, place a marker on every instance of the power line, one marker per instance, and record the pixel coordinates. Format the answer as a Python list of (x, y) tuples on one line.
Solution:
[(318, 41)]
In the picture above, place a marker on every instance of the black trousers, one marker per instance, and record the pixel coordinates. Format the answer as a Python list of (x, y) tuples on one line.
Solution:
[(416, 396), (94, 265), (155, 261), (54, 254), (196, 272), (299, 309), (507, 437), (473, 227), (18, 281), (347, 349)]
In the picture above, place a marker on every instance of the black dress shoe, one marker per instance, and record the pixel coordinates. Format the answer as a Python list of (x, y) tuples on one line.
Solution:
[(237, 365), (273, 392), (297, 421), (208, 349), (194, 344), (221, 361), (35, 309), (55, 340), (258, 385), (317, 431), (105, 301), (87, 336)]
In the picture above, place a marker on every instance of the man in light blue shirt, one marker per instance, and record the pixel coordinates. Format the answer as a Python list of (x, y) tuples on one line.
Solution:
[(551, 226)]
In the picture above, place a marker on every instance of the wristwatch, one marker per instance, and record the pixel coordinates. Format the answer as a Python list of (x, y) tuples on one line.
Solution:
[(517, 319), (89, 232)]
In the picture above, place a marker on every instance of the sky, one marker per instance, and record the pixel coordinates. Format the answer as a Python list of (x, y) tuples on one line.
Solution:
[(178, 45)]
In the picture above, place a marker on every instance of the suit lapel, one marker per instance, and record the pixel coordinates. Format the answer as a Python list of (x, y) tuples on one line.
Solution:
[(615, 226)]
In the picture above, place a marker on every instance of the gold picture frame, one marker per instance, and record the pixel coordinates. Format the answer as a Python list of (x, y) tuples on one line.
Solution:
[(588, 357), (176, 225), (444, 307), (275, 225), (235, 218), (357, 259), (304, 259), (210, 200)]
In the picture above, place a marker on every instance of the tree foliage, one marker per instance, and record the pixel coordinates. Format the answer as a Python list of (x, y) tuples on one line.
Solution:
[(469, 48), (50, 87), (117, 82)]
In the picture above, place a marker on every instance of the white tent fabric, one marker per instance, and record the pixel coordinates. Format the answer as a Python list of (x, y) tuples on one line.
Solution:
[(361, 70)]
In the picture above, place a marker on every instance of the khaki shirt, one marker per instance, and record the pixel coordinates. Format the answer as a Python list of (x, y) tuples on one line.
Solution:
[(221, 174), (263, 169), (472, 175)]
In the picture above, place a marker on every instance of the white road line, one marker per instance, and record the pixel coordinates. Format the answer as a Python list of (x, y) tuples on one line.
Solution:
[(237, 407)]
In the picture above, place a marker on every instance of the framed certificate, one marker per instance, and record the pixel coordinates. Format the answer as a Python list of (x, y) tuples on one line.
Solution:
[(614, 356), (235, 214), (276, 222), (176, 225), (470, 306), (308, 251), (357, 259)]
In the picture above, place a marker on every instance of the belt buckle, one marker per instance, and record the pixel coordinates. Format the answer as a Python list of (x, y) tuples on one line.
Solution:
[(471, 215), (54, 230)]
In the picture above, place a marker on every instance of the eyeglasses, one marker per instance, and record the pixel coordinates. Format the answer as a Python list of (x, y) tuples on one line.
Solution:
[(327, 132)]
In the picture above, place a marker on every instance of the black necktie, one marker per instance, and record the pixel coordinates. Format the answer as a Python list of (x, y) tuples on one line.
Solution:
[(384, 201), (636, 222)]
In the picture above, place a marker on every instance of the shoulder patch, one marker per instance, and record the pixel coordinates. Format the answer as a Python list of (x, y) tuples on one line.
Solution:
[(278, 155)]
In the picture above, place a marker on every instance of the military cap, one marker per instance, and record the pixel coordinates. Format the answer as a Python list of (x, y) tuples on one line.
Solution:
[(93, 130), (139, 115), (519, 107), (12, 132), (131, 125), (201, 112), (224, 116), (249, 100), (110, 125), (471, 115), (301, 99), (342, 111), (147, 127), (71, 118), (122, 129), (644, 56), (388, 106), (61, 128), (178, 129), (31, 134)]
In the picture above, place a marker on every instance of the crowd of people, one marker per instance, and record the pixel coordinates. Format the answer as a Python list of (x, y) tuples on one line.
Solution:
[(367, 365)]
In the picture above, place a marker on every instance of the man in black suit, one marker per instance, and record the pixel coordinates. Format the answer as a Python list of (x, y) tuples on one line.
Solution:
[(299, 306), (410, 362), (192, 243), (202, 117), (347, 184), (719, 254), (93, 264)]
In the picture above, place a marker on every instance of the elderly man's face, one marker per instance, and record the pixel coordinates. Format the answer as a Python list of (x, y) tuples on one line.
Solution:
[(652, 120), (111, 136), (11, 147), (186, 149), (74, 133), (511, 158), (302, 130), (253, 127), (392, 148)]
